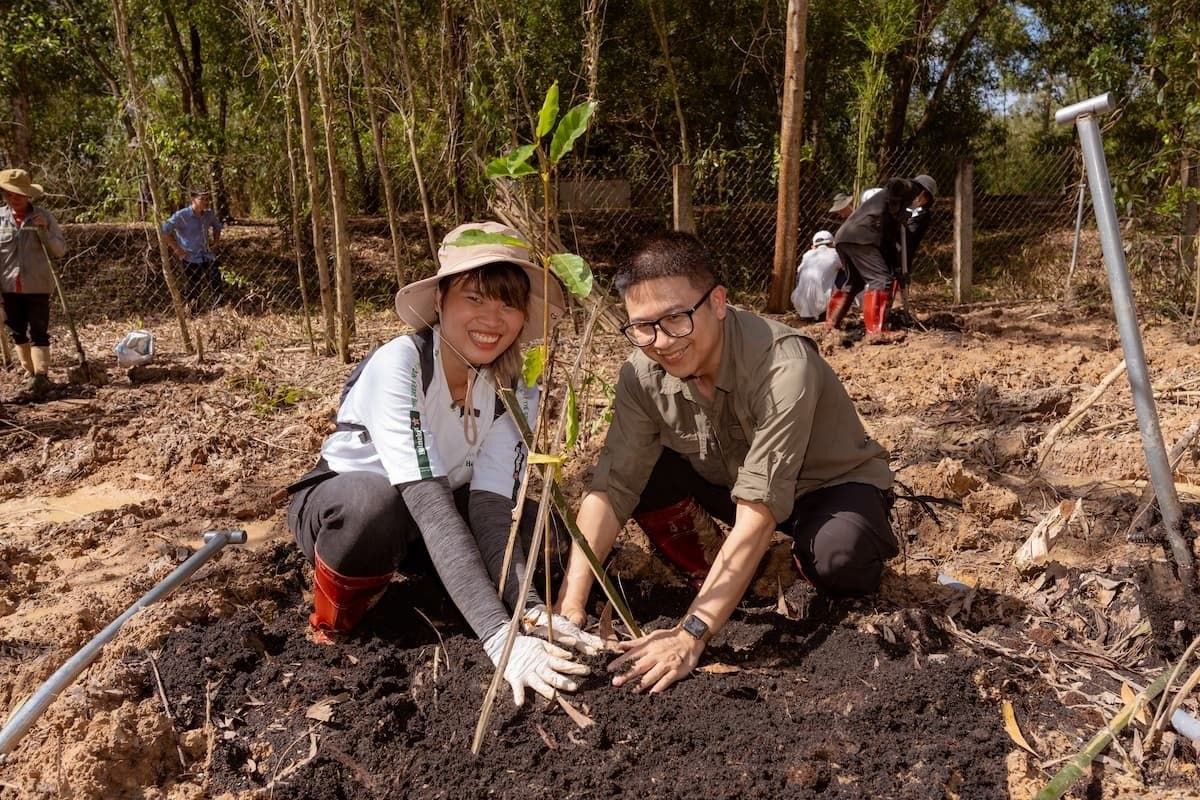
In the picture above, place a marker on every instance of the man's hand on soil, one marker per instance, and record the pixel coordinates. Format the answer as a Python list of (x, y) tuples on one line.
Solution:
[(656, 660), (538, 622), (535, 664)]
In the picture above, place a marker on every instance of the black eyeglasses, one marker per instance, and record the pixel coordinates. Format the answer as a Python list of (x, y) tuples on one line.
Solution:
[(675, 324)]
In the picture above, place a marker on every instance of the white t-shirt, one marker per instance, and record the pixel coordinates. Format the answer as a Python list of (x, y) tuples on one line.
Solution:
[(814, 281), (414, 435)]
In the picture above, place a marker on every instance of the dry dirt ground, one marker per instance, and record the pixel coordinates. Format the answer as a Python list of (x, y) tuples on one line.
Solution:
[(216, 692)]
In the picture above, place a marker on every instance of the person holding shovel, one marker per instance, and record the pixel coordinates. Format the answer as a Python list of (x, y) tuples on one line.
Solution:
[(425, 452), (722, 413), (867, 243), (187, 232), (29, 238)]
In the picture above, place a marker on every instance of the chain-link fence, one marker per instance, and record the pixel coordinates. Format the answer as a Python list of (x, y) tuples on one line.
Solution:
[(114, 271)]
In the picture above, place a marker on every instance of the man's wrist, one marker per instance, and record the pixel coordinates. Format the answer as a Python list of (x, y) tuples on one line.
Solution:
[(696, 628)]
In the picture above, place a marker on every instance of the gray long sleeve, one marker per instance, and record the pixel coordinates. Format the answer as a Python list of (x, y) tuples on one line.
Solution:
[(491, 520), (455, 554)]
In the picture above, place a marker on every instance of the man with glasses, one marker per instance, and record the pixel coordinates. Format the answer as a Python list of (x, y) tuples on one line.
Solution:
[(722, 413)]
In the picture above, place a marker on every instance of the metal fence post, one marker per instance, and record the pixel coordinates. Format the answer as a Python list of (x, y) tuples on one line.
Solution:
[(681, 190), (1083, 114), (964, 229)]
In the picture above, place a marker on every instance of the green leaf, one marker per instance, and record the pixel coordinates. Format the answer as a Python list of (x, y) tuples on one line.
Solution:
[(549, 112), (470, 238), (572, 126), (574, 272), (535, 362), (572, 417), (513, 164)]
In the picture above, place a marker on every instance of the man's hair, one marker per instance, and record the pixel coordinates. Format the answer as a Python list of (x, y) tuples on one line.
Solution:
[(200, 193), (668, 254)]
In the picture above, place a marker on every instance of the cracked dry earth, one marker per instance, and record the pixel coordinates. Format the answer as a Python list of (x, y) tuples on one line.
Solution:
[(216, 691)]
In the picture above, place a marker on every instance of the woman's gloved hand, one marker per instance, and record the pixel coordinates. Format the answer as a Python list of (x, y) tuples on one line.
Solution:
[(535, 664), (537, 621)]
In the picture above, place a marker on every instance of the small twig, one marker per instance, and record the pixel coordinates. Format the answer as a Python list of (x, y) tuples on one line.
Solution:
[(208, 726), (162, 693), (436, 632), (278, 777), (1165, 708), (1077, 413), (1173, 458)]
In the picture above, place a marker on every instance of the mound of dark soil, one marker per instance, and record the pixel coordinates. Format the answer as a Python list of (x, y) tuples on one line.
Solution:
[(780, 708)]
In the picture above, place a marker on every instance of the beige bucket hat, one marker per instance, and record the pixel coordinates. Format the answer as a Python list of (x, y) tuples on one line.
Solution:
[(416, 302), (19, 182)]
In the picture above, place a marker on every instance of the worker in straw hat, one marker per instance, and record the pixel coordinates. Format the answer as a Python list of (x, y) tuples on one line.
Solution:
[(29, 238), (424, 451)]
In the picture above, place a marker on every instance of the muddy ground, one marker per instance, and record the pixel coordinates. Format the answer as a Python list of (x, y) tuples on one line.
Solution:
[(216, 692)]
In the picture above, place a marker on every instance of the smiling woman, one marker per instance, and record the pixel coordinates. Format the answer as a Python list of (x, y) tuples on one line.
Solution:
[(424, 450)]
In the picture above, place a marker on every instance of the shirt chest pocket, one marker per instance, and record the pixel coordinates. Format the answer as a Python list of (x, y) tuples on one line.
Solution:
[(683, 443), (7, 234)]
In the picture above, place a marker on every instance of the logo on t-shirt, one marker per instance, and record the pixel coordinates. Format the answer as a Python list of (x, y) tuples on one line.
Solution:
[(422, 452)]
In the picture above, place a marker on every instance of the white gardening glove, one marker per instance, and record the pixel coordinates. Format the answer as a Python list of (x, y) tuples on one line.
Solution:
[(537, 622), (534, 663)]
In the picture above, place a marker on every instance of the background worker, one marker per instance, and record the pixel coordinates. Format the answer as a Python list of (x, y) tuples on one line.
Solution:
[(187, 232), (815, 277), (722, 413), (425, 453), (866, 243), (29, 238), (916, 224)]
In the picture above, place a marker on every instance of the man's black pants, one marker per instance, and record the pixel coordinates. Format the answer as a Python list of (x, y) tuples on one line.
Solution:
[(841, 534)]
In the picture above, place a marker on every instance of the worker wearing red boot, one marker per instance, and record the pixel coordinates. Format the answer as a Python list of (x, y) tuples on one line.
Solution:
[(866, 243), (722, 413)]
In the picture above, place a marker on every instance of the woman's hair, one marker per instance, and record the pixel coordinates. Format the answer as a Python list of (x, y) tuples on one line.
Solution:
[(508, 283)]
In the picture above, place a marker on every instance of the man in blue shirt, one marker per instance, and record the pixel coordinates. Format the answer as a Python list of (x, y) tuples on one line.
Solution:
[(186, 233)]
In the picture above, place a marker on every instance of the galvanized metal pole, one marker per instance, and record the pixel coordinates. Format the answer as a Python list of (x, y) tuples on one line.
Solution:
[(1068, 294), (24, 717), (1083, 114)]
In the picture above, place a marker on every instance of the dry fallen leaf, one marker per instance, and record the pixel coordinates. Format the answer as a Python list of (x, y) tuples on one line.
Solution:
[(719, 668), (322, 710), (605, 629), (1014, 732)]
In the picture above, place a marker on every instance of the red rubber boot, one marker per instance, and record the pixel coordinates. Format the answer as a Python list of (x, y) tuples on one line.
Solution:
[(686, 536), (837, 308), (340, 601), (875, 307)]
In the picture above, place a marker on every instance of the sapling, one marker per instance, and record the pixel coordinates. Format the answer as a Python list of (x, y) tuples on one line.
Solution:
[(576, 276)]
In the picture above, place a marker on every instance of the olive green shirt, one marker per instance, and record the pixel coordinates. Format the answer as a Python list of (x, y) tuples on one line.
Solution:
[(780, 423)]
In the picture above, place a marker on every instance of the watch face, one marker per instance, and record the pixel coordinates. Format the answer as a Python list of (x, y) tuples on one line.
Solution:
[(695, 626)]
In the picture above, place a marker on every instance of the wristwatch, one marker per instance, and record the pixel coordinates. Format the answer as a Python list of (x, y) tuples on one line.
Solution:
[(695, 627)]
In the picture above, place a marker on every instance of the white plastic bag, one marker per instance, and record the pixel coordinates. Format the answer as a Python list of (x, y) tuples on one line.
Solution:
[(135, 349)]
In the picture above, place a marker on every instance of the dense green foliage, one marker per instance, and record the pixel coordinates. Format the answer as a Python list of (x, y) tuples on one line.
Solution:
[(963, 76)]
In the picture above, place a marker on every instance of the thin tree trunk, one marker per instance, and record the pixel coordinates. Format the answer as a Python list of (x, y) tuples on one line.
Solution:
[(660, 28), (367, 185), (452, 72), (787, 206), (410, 118), (933, 105), (22, 155), (399, 245), (120, 23), (343, 285), (290, 16), (297, 235)]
